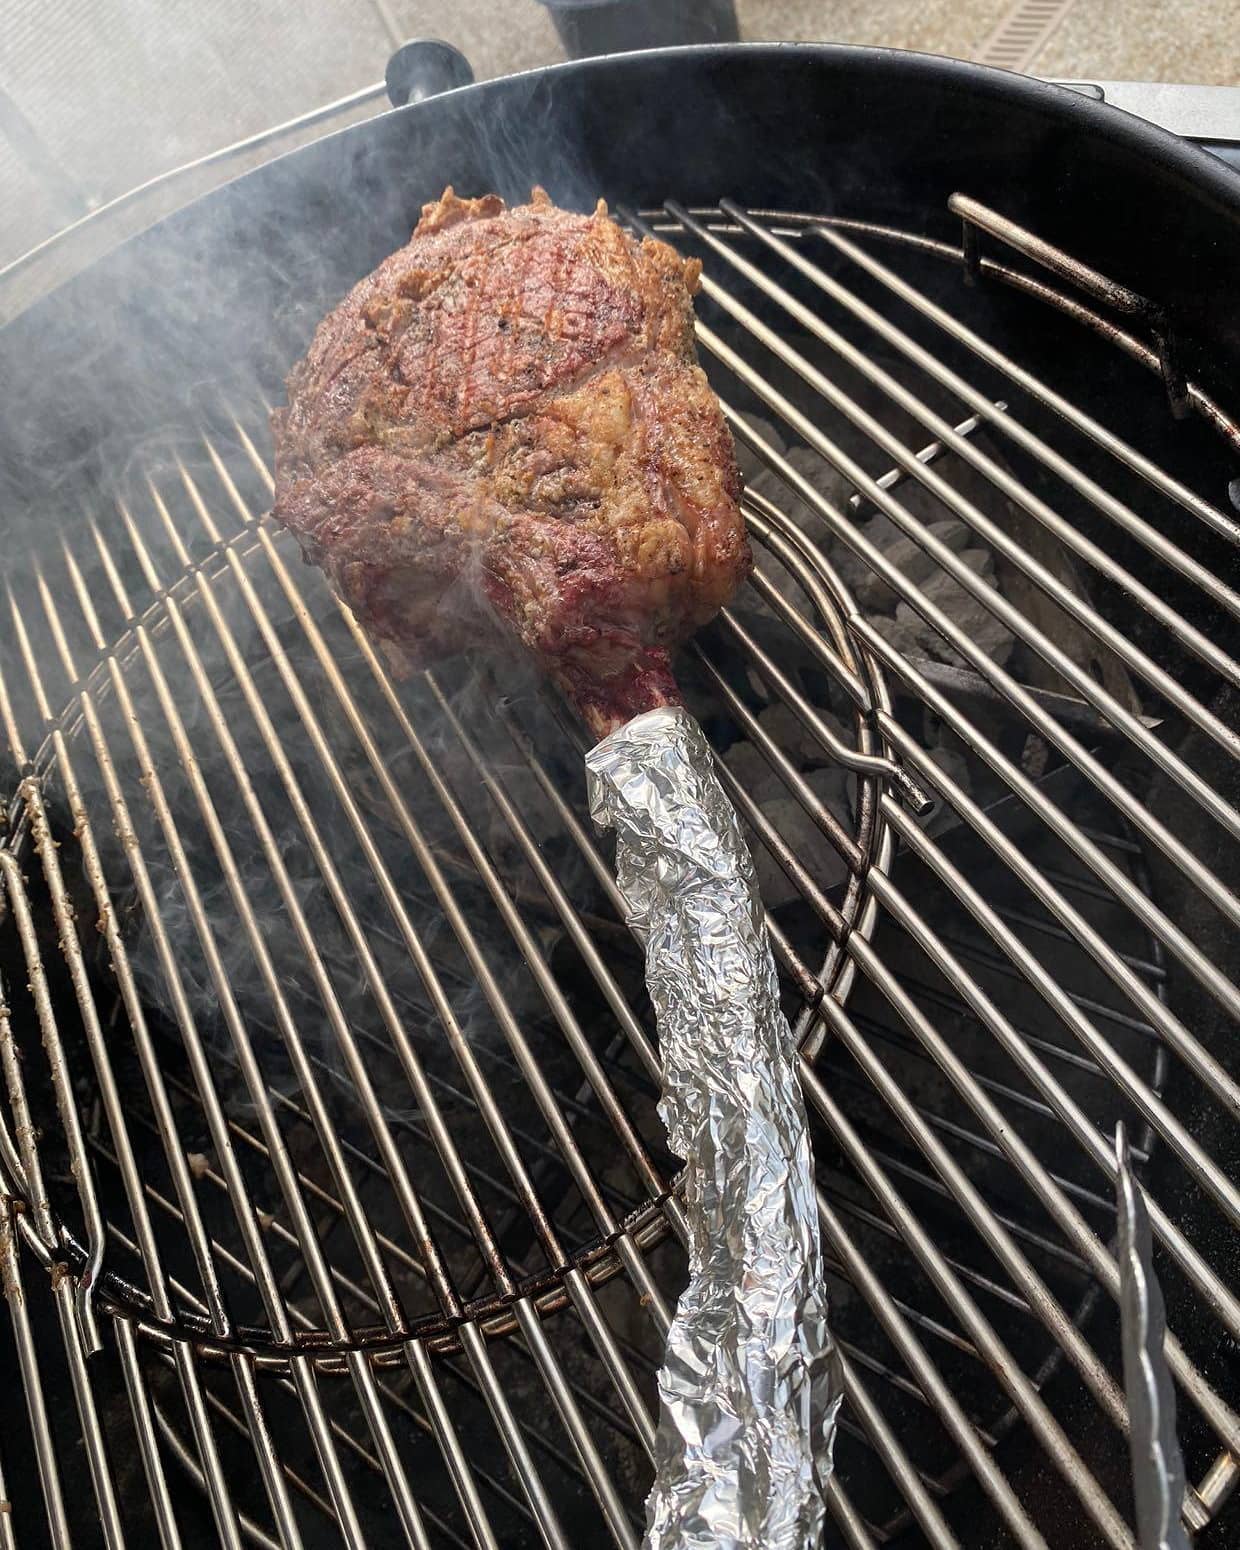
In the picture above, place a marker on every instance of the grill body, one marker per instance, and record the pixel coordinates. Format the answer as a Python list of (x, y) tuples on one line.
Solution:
[(875, 134), (317, 992)]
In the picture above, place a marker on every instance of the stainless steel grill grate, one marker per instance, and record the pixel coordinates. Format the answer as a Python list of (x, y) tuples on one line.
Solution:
[(330, 1086)]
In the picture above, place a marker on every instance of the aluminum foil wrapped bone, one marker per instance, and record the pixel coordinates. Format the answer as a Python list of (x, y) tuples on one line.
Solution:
[(749, 1387)]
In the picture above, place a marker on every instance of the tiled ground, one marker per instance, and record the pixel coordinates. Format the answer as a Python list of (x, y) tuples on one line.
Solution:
[(95, 99)]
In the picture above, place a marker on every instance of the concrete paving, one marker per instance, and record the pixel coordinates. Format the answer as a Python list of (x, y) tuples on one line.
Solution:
[(1147, 40), (96, 99), (956, 27)]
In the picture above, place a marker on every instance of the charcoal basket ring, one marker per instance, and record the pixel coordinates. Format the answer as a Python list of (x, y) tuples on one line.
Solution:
[(95, 788)]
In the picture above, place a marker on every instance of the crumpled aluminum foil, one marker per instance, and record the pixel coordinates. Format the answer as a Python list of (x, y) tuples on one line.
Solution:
[(750, 1384)]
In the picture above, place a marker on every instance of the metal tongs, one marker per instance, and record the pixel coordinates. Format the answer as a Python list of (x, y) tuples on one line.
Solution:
[(1157, 1464)]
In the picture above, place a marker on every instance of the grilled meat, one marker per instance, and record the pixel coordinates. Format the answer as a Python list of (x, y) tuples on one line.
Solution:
[(504, 428)]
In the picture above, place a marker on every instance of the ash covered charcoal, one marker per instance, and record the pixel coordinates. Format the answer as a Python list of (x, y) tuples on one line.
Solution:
[(751, 766), (979, 561), (784, 728), (873, 591), (754, 772), (881, 531), (803, 837), (782, 725), (747, 460), (913, 638), (952, 532), (831, 784), (912, 561), (970, 616), (819, 474), (908, 635), (942, 816), (833, 488)]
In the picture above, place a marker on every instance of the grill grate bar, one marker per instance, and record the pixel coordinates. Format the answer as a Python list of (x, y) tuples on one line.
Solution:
[(238, 1195), (422, 1368), (1148, 972), (101, 1478), (1020, 628), (1221, 1417), (143, 1412), (974, 1141), (1204, 1167), (66, 1109), (398, 1483), (893, 1379), (253, 1533), (941, 1093), (1037, 1298), (345, 1042), (275, 1226), (441, 1426), (299, 1483), (1090, 1361), (1192, 502), (857, 1533), (740, 719), (392, 1161), (995, 963), (1203, 969), (1021, 1391), (601, 1482), (915, 1488), (897, 475), (126, 1161), (1198, 1388), (1084, 845), (627, 1020), (459, 1469), (597, 1479), (926, 1374), (291, 1476), (78, 1325), (797, 226), (992, 1289), (954, 1007), (919, 469), (998, 417), (598, 1079), (31, 1376)]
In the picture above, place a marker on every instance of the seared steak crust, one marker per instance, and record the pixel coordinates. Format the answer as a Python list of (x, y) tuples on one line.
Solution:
[(506, 423)]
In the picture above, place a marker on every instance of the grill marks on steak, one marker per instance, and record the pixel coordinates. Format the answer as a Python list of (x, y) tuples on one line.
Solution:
[(505, 425)]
